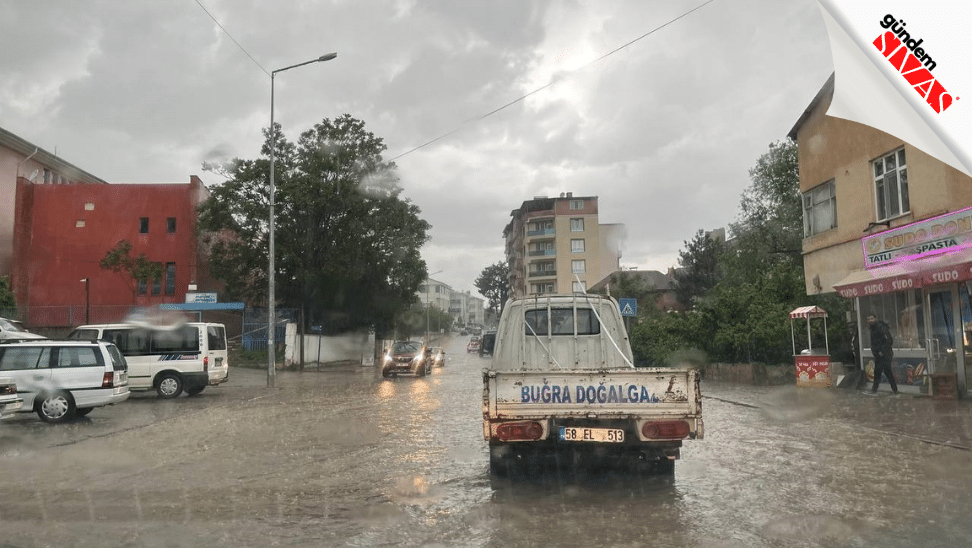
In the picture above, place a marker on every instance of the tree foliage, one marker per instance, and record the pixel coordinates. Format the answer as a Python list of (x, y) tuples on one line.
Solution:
[(7, 300), (743, 292), (494, 284), (346, 243), (699, 268), (119, 259)]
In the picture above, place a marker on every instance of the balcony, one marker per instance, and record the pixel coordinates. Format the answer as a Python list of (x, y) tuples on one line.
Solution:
[(541, 232), (543, 253), (543, 274)]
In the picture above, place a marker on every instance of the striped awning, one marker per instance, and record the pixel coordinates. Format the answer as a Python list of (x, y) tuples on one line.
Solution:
[(808, 312)]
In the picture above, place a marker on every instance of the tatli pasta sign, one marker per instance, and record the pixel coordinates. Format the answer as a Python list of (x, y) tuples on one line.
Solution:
[(937, 235)]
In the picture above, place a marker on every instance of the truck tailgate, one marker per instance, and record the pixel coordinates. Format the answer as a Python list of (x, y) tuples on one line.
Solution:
[(629, 393)]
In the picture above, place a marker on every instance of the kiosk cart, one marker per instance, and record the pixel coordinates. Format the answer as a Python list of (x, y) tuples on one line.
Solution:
[(812, 366)]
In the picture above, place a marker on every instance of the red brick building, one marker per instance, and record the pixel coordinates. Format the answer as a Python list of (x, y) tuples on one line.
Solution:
[(61, 232)]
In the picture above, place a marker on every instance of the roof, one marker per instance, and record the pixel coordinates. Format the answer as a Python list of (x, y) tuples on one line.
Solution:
[(808, 312), (826, 92), (651, 280), (44, 157)]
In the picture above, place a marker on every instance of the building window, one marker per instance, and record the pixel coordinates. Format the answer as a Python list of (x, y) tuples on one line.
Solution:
[(540, 289), (79, 223), (577, 246), (89, 206), (579, 287), (170, 225), (891, 185), (577, 225), (170, 278), (157, 286), (47, 176), (578, 267), (577, 204), (819, 209), (143, 225), (142, 286)]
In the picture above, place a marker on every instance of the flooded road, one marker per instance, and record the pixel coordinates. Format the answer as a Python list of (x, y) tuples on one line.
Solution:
[(346, 458)]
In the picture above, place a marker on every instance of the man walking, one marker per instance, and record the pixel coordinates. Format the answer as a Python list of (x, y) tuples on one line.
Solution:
[(881, 347)]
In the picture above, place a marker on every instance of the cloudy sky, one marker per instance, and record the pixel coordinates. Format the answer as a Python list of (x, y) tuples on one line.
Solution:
[(663, 130)]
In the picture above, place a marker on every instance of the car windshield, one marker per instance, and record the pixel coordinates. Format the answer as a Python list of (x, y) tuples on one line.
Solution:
[(7, 325), (405, 347)]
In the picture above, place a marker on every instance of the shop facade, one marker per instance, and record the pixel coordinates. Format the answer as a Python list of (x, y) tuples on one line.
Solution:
[(889, 227), (919, 282)]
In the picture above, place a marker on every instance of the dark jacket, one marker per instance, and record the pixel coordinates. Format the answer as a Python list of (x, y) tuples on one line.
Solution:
[(881, 340)]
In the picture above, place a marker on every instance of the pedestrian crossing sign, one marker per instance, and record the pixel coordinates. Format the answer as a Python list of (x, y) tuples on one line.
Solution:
[(629, 307)]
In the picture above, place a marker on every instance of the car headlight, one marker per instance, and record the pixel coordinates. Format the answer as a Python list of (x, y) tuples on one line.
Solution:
[(388, 358)]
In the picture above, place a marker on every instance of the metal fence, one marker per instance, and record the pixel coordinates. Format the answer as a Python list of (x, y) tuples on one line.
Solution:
[(66, 316), (256, 323)]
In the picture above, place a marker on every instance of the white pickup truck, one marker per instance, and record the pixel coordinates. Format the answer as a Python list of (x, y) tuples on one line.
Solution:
[(562, 390)]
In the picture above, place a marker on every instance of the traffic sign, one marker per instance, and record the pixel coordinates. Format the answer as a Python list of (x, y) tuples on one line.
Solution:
[(629, 307)]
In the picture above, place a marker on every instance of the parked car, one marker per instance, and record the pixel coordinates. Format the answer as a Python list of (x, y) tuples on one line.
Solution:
[(186, 358), (12, 329), (406, 357), (437, 355), (10, 402), (61, 379), (472, 345)]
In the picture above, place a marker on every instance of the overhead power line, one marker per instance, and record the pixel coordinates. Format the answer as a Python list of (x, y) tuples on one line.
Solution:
[(522, 97), (226, 32)]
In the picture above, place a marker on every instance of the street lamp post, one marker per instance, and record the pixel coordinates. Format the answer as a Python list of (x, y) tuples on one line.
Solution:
[(87, 300), (428, 304), (271, 322)]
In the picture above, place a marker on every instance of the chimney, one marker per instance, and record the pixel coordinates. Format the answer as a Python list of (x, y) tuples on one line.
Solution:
[(570, 194)]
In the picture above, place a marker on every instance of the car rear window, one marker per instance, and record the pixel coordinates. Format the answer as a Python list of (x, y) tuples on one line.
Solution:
[(561, 322), (118, 362), (217, 337)]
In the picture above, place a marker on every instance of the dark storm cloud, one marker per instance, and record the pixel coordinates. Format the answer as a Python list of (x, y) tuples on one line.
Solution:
[(664, 131)]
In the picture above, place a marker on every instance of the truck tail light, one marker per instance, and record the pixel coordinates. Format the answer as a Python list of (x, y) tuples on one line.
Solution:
[(205, 363), (108, 380), (511, 431), (665, 430)]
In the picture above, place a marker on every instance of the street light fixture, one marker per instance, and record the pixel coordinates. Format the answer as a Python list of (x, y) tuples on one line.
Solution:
[(272, 324), (428, 304)]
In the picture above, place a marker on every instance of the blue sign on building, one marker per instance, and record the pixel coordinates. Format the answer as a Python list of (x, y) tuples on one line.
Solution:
[(629, 307)]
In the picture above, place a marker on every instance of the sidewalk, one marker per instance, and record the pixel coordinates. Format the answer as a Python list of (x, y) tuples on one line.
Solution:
[(941, 422), (946, 423)]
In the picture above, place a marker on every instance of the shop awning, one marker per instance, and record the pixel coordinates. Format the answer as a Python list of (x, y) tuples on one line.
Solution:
[(808, 312), (927, 271)]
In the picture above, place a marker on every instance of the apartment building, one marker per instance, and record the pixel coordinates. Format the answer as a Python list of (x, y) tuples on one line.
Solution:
[(890, 228), (464, 308), (557, 245)]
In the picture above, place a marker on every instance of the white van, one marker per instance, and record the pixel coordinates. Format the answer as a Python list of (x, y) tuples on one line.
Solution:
[(186, 358), (60, 380)]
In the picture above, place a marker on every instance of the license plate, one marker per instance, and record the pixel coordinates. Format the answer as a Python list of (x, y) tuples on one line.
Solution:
[(608, 435)]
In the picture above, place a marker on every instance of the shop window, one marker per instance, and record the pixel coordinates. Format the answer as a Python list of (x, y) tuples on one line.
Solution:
[(891, 185), (903, 313), (819, 209)]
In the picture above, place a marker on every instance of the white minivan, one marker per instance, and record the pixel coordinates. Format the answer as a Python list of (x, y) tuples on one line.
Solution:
[(187, 358), (60, 380)]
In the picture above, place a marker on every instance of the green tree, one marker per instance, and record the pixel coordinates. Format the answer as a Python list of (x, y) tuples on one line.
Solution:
[(7, 301), (699, 268), (494, 284), (347, 244), (119, 260)]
